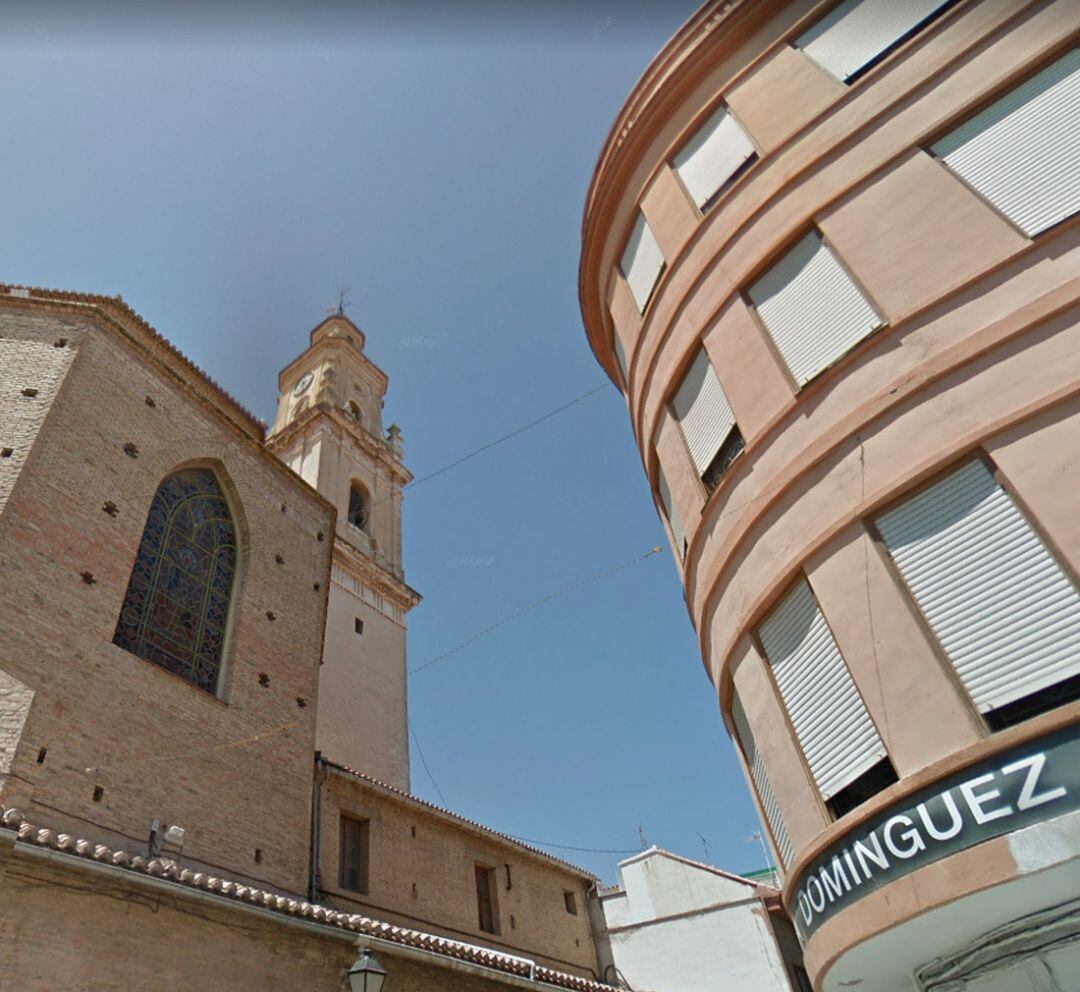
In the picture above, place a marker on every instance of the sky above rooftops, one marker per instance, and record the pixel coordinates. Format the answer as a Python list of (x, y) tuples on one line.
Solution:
[(228, 168)]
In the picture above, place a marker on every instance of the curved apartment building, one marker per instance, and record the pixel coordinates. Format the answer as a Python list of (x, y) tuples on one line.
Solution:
[(831, 257)]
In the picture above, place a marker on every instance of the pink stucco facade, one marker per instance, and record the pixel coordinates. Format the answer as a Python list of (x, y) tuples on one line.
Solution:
[(978, 357)]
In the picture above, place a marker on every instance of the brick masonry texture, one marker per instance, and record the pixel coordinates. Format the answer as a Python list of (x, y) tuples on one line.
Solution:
[(422, 874), (156, 746), (43, 858), (95, 742), (34, 356), (115, 938)]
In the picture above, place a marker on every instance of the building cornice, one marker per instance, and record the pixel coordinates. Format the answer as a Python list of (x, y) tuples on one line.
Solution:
[(381, 579), (672, 74), (333, 344), (343, 426), (315, 353)]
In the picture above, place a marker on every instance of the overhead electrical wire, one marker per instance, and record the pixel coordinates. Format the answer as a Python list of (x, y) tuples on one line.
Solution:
[(535, 605), (491, 444), (567, 847), (487, 630)]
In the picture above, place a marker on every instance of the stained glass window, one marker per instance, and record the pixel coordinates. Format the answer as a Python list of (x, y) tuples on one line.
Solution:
[(177, 600)]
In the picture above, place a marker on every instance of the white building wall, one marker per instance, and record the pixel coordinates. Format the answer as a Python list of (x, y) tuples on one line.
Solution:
[(675, 926)]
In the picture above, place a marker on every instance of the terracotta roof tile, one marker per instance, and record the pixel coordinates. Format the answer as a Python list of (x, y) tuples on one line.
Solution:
[(169, 870)]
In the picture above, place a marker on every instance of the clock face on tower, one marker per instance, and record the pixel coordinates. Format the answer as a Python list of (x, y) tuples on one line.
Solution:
[(304, 382)]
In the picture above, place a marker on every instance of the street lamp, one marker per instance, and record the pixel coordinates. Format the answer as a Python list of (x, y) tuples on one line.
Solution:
[(366, 974)]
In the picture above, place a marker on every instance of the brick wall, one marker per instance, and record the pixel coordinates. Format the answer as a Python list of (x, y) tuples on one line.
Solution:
[(15, 700), (235, 771), (34, 356), (422, 875), (66, 931)]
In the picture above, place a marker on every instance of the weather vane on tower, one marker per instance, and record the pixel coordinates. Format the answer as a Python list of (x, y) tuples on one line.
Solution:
[(341, 305)]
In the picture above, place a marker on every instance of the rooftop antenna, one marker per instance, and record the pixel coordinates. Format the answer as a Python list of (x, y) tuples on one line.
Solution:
[(641, 834), (341, 304), (758, 836), (705, 845)]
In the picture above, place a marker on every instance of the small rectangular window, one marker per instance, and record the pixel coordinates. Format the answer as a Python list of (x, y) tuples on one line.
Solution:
[(729, 451), (642, 262), (677, 532), (833, 727), (620, 359), (1020, 152), (1005, 612), (570, 901), (705, 417), (713, 157), (778, 828), (353, 854), (358, 625), (485, 899), (812, 308), (869, 783), (857, 34)]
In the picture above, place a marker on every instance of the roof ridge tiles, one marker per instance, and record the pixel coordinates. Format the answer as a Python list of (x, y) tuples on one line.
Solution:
[(457, 816), (167, 869), (45, 294)]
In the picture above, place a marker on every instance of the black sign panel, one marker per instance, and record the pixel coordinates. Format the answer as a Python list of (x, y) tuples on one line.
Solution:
[(1034, 781)]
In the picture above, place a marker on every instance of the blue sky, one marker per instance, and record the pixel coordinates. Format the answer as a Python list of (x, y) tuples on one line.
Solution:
[(227, 173)]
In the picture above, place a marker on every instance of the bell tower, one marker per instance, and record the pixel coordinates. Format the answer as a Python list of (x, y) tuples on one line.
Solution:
[(329, 430)]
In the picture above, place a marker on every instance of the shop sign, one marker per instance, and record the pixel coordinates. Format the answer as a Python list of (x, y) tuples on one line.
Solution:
[(1035, 781)]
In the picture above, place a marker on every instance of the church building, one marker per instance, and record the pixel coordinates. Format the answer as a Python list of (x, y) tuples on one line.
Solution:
[(204, 765)]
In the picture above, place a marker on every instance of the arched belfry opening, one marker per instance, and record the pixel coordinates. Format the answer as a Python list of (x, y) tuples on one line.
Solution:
[(359, 514), (176, 607), (341, 449)]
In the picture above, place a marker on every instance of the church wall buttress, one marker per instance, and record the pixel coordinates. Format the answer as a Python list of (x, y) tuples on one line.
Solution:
[(35, 356)]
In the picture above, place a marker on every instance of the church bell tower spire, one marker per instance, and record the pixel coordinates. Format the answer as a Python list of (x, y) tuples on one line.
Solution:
[(329, 430)]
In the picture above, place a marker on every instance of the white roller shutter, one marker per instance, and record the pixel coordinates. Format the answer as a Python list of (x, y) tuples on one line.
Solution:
[(1006, 614), (620, 358), (1023, 152), (712, 156), (812, 309), (836, 733), (672, 515), (769, 805), (703, 412), (858, 31), (641, 262)]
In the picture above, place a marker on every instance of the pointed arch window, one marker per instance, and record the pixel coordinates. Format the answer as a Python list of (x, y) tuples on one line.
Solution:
[(177, 601)]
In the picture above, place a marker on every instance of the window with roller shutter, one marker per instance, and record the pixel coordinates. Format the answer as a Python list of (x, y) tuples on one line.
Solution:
[(706, 420), (857, 34), (1022, 153), (812, 308), (770, 807), (642, 262), (620, 359), (713, 157), (677, 532), (1004, 611), (843, 750)]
